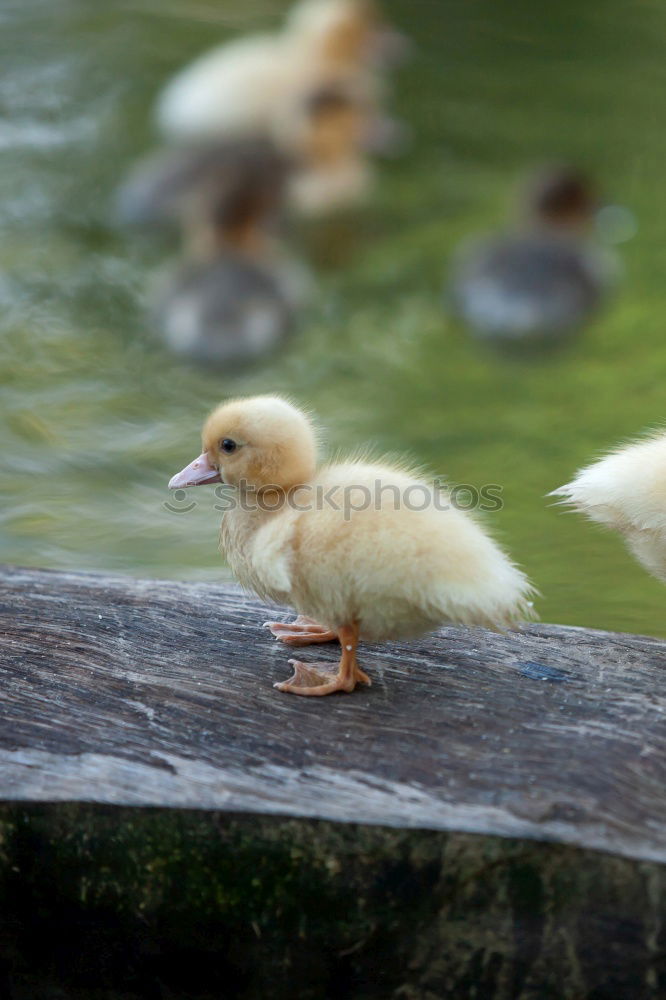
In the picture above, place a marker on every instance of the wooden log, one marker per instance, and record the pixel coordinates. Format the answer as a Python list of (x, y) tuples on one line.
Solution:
[(488, 820)]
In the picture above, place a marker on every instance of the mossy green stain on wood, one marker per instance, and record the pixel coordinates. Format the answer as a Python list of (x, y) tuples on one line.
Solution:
[(213, 905)]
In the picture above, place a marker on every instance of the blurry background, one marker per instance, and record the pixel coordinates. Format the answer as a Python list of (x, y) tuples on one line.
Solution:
[(97, 415)]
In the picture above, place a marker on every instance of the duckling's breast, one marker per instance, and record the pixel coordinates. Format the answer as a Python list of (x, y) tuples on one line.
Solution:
[(258, 546)]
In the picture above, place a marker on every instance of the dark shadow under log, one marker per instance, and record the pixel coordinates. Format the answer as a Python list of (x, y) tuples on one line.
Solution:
[(487, 821)]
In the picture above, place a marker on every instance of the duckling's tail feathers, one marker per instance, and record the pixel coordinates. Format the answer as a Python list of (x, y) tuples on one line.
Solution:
[(577, 497), (500, 605), (567, 493)]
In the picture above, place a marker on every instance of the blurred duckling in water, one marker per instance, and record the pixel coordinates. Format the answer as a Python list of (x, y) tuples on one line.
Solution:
[(243, 87), (626, 491), (236, 295), (190, 187), (342, 545), (544, 280), (317, 162), (225, 311), (329, 143), (233, 296)]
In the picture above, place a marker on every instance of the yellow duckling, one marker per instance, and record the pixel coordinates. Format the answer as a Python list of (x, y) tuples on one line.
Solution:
[(626, 490), (329, 141), (243, 87), (361, 551)]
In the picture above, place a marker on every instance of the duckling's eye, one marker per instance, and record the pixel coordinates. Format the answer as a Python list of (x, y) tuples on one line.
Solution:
[(226, 444)]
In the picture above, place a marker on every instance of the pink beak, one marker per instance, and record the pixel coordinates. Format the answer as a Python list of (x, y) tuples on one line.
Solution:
[(197, 473)]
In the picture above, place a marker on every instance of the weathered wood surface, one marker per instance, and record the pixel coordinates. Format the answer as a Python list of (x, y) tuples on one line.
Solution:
[(156, 693), (285, 858)]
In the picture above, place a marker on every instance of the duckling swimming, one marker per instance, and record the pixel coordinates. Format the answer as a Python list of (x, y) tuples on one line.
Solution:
[(329, 145), (223, 183), (233, 297), (225, 311), (243, 87), (343, 545), (626, 491), (545, 279), (316, 162)]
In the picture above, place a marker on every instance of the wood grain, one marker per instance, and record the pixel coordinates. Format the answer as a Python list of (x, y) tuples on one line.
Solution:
[(137, 693)]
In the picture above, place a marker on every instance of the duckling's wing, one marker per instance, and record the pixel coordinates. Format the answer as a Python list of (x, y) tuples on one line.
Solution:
[(271, 561)]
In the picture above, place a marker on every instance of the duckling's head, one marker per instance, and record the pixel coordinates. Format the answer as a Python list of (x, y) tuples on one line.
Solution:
[(341, 30), (254, 443), (332, 124), (561, 196)]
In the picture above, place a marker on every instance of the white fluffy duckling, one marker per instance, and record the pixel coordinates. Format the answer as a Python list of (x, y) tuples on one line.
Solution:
[(243, 86), (360, 550), (626, 490)]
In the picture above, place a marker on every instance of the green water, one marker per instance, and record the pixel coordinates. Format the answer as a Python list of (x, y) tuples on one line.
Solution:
[(97, 416)]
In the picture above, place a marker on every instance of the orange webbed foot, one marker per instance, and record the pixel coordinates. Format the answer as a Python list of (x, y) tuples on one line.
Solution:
[(312, 679), (301, 632)]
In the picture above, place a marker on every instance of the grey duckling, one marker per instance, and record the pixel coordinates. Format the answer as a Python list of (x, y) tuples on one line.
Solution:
[(543, 280)]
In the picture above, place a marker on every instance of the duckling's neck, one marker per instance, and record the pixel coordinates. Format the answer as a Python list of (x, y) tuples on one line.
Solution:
[(252, 510), (252, 507), (345, 48), (267, 498), (206, 241), (573, 225)]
